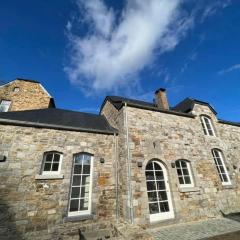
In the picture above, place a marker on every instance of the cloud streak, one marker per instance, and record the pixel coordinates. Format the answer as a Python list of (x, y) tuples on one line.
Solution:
[(230, 69)]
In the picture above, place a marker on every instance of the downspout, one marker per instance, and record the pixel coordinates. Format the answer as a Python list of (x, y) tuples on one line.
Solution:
[(130, 202), (116, 176)]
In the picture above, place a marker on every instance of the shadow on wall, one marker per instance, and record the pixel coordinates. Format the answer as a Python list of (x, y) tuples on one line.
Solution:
[(8, 230)]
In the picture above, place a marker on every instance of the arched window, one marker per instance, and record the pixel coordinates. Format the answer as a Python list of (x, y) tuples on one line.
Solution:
[(159, 197), (207, 126), (184, 173), (52, 162), (221, 167), (81, 185)]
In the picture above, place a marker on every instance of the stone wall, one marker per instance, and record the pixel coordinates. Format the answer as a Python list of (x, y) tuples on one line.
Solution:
[(35, 208), (30, 95)]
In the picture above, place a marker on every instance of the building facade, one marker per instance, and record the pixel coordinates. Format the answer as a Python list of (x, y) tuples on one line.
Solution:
[(67, 174)]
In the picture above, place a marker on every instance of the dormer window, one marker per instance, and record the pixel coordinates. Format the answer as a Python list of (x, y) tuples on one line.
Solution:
[(207, 126), (5, 105)]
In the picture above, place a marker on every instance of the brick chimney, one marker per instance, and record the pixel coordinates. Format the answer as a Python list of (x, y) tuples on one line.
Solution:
[(161, 99)]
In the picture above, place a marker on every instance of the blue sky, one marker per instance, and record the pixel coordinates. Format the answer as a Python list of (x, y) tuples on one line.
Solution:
[(82, 51)]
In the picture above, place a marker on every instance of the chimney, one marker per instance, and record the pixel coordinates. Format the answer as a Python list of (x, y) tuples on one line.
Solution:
[(161, 99)]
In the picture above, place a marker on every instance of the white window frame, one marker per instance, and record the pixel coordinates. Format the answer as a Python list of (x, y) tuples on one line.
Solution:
[(204, 121), (59, 163), (220, 173), (3, 106), (191, 184), (82, 212)]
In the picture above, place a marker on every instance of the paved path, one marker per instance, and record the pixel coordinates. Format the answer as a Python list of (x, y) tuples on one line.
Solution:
[(198, 230)]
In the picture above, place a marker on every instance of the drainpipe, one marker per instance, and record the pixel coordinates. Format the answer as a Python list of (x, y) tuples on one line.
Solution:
[(116, 176), (128, 163)]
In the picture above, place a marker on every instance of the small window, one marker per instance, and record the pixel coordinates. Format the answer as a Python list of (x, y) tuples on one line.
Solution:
[(16, 89), (81, 185), (184, 173), (52, 163), (207, 126), (5, 105), (222, 170)]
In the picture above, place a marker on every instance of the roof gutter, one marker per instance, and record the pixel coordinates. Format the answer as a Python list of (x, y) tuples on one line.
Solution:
[(229, 123), (54, 126)]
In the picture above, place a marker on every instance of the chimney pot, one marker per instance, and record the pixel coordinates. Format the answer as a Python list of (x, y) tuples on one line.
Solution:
[(161, 99)]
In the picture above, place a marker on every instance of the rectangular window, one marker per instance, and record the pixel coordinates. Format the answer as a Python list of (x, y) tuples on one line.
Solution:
[(222, 170), (5, 105), (184, 173), (81, 184), (52, 163)]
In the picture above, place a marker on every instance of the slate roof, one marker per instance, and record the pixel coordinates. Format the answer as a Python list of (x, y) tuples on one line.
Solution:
[(59, 119)]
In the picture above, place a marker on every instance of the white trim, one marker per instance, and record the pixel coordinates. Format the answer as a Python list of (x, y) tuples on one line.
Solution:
[(59, 164), (223, 165), (44, 89), (83, 212), (204, 125)]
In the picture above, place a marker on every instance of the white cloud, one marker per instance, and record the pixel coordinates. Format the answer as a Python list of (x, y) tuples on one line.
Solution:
[(113, 53), (230, 69)]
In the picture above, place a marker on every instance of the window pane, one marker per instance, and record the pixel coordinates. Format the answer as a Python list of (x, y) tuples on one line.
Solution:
[(164, 207), (149, 166), (152, 196), (86, 161), (86, 169), (85, 179), (151, 186), (153, 208), (74, 205), (157, 166), (159, 175), (178, 164), (224, 177), (55, 167), (78, 159), (77, 169), (184, 164), (49, 157), (150, 175), (162, 195), (185, 171), (47, 167), (83, 204), (76, 180), (181, 180), (161, 185), (187, 180), (84, 192), (56, 158), (221, 168), (75, 192), (179, 172)]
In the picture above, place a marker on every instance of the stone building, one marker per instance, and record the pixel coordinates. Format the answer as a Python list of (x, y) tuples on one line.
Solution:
[(135, 165)]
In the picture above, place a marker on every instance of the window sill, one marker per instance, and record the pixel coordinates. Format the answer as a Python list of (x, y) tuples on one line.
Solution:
[(49, 176), (78, 218), (188, 189), (228, 186)]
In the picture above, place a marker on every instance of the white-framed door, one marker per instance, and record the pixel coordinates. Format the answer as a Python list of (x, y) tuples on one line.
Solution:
[(158, 190)]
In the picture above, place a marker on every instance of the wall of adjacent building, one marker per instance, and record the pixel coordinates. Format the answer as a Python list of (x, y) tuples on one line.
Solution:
[(31, 95), (37, 209)]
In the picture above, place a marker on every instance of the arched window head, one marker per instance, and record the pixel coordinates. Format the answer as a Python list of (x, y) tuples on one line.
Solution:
[(52, 162), (81, 185), (184, 173), (207, 126), (221, 167)]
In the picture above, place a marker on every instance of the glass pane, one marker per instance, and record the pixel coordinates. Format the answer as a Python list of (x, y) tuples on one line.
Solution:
[(77, 169), (185, 171), (187, 180), (86, 169), (76, 180), (224, 177), (162, 195), (150, 175), (78, 159), (180, 180), (55, 167), (184, 164), (153, 208), (149, 166), (151, 186), (75, 192), (164, 207), (47, 167), (74, 205), (87, 160), (152, 196), (83, 204), (161, 185), (159, 175), (84, 192), (157, 166), (49, 157), (56, 158), (85, 179), (179, 172), (178, 164), (221, 168)]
